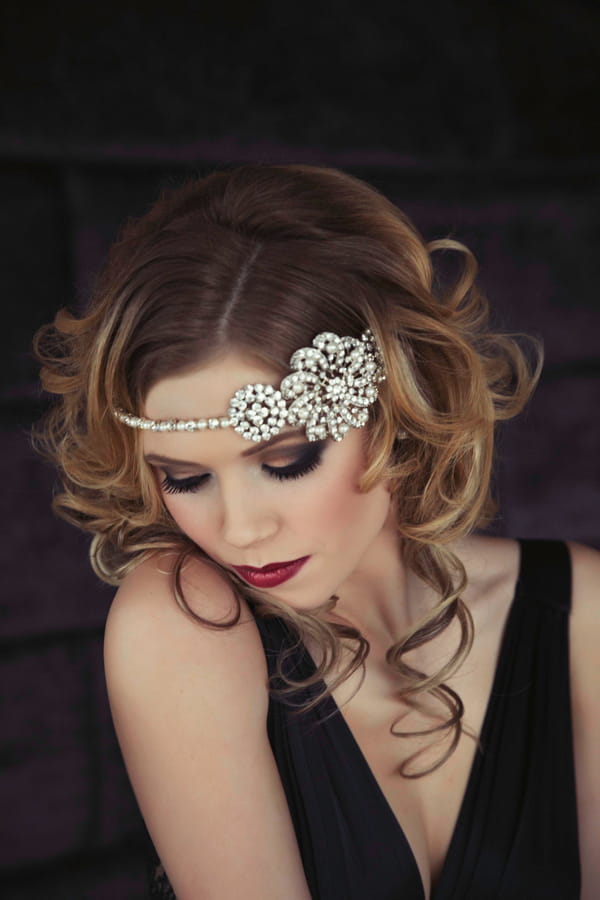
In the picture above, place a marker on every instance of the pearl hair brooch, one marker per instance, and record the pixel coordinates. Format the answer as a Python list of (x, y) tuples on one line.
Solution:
[(330, 388)]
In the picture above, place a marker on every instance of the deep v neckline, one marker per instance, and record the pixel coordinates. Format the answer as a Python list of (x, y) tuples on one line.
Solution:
[(330, 708)]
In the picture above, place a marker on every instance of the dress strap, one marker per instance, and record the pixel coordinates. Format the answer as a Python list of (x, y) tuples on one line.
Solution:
[(545, 573)]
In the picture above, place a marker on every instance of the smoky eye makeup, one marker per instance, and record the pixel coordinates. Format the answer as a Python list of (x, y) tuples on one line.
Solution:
[(303, 460)]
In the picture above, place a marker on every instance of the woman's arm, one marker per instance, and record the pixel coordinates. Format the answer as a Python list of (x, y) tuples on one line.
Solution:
[(189, 705), (585, 692)]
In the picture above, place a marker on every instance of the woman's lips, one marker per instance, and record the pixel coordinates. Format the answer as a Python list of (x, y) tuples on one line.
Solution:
[(271, 575)]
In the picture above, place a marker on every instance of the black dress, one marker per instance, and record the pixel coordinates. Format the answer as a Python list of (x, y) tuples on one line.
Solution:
[(516, 833)]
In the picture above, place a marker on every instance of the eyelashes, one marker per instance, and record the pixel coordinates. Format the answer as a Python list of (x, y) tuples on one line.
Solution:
[(182, 485), (307, 461)]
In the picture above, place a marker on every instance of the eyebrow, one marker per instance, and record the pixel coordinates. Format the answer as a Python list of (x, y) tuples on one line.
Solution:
[(256, 448)]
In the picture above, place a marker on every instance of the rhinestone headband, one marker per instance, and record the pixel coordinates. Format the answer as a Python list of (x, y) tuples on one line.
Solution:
[(330, 388)]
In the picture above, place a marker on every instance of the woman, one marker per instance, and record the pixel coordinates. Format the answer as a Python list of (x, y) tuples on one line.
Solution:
[(278, 424)]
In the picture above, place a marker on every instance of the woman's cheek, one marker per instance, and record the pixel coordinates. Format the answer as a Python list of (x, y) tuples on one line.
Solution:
[(187, 516), (332, 501)]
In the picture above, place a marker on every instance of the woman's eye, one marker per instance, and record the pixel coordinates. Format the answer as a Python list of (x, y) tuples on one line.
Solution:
[(172, 485), (305, 462)]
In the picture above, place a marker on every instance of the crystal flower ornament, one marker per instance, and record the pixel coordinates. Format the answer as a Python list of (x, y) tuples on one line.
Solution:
[(332, 385), (329, 390)]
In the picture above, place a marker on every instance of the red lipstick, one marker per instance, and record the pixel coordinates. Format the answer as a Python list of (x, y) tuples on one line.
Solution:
[(271, 575)]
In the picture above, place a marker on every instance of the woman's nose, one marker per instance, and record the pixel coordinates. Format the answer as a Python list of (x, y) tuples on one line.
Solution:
[(247, 520)]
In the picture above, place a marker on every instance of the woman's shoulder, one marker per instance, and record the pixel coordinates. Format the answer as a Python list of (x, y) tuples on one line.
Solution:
[(206, 589), (585, 634), (148, 592), (494, 565), (585, 563), (148, 632)]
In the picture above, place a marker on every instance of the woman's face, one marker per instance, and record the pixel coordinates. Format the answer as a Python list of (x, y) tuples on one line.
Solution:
[(252, 505)]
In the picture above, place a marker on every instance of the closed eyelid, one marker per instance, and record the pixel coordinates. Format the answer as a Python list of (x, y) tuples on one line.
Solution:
[(172, 473), (301, 463), (172, 485), (155, 459), (187, 469), (284, 456)]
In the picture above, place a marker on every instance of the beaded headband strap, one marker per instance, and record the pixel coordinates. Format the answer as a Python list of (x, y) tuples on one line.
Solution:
[(331, 387)]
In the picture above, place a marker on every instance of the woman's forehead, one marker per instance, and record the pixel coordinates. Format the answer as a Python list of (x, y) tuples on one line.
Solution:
[(205, 392)]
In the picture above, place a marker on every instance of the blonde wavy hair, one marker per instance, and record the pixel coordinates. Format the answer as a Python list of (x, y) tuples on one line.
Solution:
[(261, 259)]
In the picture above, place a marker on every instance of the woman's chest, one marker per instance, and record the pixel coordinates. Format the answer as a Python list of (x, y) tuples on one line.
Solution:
[(427, 807)]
